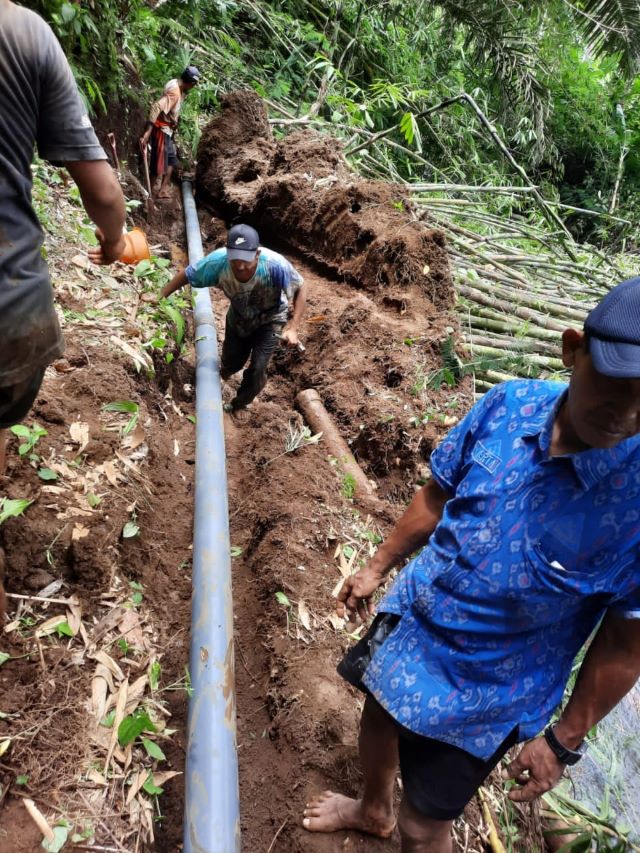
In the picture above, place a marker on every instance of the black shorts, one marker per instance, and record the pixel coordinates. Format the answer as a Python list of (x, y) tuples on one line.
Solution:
[(438, 779), (170, 153), (16, 400)]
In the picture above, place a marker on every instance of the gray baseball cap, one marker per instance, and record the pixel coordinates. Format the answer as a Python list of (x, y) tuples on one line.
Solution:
[(242, 243)]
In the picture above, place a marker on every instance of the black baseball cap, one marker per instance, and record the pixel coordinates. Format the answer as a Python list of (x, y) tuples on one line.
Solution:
[(242, 243), (191, 75), (613, 328)]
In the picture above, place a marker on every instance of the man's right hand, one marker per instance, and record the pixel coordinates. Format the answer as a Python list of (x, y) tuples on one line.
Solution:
[(144, 141), (108, 251), (354, 598)]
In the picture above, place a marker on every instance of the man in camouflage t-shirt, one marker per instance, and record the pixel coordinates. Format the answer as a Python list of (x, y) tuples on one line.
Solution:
[(261, 285)]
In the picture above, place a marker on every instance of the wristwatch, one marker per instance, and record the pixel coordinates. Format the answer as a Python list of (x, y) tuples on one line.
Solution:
[(562, 753)]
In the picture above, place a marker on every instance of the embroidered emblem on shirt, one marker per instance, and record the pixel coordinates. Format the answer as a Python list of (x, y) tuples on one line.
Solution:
[(487, 455)]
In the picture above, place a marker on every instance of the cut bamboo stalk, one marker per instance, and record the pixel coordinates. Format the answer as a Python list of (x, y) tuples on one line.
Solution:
[(512, 310), (479, 323), (320, 421), (546, 362), (39, 819), (516, 345)]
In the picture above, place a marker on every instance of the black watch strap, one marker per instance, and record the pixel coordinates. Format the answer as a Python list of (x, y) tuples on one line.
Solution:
[(562, 753)]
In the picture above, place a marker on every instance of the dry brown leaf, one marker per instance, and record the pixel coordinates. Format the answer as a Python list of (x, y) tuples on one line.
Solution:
[(163, 776), (303, 615), (109, 662), (121, 703), (134, 439), (81, 261), (50, 625), (79, 532), (131, 630), (136, 692), (74, 512), (99, 688), (137, 781), (337, 588), (110, 472), (12, 626), (96, 777), (337, 622), (176, 447), (140, 357), (79, 432)]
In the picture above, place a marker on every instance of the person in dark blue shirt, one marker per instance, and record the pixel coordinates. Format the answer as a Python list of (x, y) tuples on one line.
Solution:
[(531, 533)]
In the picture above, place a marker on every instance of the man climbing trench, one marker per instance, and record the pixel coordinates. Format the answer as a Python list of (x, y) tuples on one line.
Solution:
[(261, 286), (162, 125), (529, 534)]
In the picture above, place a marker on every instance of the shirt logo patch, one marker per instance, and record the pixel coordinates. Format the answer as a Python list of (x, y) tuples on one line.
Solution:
[(487, 455)]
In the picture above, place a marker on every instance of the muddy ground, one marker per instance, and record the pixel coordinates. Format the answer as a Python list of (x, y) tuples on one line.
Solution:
[(372, 344)]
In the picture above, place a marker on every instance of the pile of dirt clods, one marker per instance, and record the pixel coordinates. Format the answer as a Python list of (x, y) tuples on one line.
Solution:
[(300, 189)]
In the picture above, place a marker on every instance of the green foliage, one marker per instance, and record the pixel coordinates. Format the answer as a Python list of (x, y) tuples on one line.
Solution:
[(12, 508)]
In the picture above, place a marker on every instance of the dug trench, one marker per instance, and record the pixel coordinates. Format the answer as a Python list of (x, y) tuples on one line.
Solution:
[(373, 344)]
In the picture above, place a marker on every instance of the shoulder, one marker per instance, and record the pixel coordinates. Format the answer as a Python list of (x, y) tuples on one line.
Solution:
[(279, 267), (172, 84), (522, 402), (27, 28)]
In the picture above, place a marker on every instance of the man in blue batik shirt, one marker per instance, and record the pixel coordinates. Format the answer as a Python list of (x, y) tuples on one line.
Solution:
[(531, 533), (261, 286)]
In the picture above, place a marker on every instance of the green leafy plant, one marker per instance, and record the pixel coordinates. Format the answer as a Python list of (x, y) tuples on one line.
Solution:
[(125, 407), (12, 508), (30, 437), (348, 486)]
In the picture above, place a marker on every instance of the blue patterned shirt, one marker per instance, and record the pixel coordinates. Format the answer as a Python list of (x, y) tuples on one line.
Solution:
[(530, 552), (262, 300)]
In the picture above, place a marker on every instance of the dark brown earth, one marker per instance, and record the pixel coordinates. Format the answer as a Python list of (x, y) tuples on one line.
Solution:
[(372, 343)]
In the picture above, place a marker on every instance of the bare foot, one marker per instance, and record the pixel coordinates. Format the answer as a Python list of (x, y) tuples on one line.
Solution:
[(329, 812)]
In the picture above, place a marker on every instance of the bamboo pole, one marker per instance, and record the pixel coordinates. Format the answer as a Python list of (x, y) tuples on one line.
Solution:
[(510, 309), (539, 360)]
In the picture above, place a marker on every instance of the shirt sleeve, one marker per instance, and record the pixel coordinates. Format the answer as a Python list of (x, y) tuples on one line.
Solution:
[(65, 134), (207, 271), (626, 602), (452, 456)]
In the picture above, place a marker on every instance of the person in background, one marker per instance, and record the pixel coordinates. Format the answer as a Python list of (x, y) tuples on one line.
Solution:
[(162, 125), (530, 538), (261, 286), (40, 106)]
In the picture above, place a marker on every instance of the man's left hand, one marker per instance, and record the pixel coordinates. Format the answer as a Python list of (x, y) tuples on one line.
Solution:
[(290, 337), (536, 768)]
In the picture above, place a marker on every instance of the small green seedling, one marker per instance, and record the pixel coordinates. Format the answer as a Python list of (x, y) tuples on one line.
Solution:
[(31, 436), (12, 508), (348, 487), (125, 407)]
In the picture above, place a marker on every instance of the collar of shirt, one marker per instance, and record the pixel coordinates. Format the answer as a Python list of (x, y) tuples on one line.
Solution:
[(590, 466)]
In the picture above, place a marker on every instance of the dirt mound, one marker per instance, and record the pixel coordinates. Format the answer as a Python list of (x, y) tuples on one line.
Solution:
[(301, 186)]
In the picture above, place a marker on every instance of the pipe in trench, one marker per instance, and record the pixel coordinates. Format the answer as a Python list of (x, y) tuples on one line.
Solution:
[(211, 812), (320, 420)]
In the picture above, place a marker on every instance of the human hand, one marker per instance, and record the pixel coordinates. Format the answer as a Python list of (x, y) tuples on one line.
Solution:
[(144, 141), (108, 251), (354, 598), (536, 768), (290, 336)]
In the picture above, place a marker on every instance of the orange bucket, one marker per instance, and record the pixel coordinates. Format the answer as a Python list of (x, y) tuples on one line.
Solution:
[(137, 247)]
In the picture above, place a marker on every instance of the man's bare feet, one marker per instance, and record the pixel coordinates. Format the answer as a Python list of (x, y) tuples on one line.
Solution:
[(329, 812)]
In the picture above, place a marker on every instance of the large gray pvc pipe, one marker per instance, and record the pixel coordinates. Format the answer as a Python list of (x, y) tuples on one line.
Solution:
[(211, 810)]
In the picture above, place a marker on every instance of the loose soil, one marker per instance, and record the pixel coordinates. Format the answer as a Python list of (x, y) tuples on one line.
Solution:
[(379, 290)]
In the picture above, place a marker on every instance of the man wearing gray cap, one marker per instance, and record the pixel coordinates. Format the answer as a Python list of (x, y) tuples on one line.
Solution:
[(262, 287), (530, 538)]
